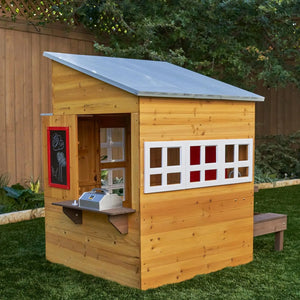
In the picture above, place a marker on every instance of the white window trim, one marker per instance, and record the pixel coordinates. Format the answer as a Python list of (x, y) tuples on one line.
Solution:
[(185, 168)]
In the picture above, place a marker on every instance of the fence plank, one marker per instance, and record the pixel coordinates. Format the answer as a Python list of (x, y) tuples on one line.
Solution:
[(10, 105), (3, 156)]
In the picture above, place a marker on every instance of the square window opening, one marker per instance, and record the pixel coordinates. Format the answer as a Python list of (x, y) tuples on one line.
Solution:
[(210, 175), (113, 180), (210, 154), (117, 135), (155, 180), (117, 153), (173, 156), (243, 152), (229, 153), (229, 173), (195, 155), (155, 157), (195, 176), (173, 178), (243, 172), (103, 155)]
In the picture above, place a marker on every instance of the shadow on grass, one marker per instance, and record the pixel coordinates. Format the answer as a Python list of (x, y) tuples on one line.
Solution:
[(25, 273)]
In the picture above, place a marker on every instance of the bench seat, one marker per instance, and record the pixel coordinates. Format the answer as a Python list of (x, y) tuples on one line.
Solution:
[(270, 223)]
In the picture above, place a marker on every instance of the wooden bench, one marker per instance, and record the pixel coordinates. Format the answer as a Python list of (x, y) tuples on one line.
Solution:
[(270, 223)]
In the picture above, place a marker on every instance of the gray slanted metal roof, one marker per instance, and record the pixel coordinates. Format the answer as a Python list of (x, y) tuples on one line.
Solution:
[(152, 78)]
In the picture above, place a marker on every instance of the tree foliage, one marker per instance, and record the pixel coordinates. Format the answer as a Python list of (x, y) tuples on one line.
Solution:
[(237, 41)]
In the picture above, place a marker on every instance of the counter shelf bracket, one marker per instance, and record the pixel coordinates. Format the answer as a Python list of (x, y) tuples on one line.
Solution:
[(74, 214), (118, 217)]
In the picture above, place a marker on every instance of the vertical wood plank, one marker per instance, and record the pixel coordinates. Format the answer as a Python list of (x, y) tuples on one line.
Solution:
[(10, 105), (28, 109), (45, 66), (3, 131), (19, 81), (36, 56)]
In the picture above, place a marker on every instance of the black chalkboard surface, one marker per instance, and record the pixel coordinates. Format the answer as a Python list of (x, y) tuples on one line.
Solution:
[(58, 157)]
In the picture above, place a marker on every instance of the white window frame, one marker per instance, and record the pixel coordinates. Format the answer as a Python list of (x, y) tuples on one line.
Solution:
[(184, 168), (164, 169)]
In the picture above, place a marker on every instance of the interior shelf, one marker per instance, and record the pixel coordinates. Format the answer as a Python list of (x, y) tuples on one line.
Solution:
[(118, 217)]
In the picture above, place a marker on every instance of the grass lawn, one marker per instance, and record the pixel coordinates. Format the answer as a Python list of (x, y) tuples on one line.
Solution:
[(25, 274)]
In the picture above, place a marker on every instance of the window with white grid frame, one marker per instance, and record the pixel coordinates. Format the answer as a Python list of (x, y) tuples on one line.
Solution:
[(112, 153), (164, 163), (199, 164)]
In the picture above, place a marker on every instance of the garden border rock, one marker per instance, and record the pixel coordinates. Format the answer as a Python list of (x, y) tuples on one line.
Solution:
[(23, 215), (276, 184)]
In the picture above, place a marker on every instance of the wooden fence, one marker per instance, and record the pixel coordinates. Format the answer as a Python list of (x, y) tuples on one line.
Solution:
[(25, 91), (279, 113)]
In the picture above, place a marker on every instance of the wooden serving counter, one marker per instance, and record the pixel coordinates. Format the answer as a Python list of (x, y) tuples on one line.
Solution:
[(118, 217)]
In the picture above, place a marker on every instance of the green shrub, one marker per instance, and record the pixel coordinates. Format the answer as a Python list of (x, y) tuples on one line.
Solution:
[(261, 177), (17, 198), (278, 156)]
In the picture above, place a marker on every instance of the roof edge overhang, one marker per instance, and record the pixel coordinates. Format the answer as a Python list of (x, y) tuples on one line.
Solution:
[(200, 96), (96, 75)]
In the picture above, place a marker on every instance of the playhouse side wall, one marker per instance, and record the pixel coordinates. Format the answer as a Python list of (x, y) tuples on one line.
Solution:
[(194, 231), (95, 246)]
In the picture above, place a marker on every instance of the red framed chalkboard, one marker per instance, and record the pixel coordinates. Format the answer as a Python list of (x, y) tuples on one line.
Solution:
[(58, 157)]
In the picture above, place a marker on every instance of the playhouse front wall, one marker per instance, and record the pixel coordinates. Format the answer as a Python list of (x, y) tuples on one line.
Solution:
[(194, 231), (95, 246)]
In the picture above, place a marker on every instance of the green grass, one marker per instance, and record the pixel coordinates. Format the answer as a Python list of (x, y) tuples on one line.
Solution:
[(25, 274)]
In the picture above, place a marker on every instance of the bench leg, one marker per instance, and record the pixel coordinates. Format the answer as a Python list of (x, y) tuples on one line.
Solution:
[(279, 240)]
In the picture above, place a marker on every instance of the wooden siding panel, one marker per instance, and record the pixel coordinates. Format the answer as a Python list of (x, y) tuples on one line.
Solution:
[(175, 119), (194, 231), (200, 240), (77, 93)]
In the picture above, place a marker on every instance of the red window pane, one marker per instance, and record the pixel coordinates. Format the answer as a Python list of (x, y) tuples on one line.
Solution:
[(195, 155), (194, 176), (210, 154), (210, 175)]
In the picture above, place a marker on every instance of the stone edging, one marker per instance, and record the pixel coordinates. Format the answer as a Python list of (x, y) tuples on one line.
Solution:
[(23, 215), (277, 184)]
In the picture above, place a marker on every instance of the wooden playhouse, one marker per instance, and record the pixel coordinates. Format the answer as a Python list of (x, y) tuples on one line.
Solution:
[(176, 146)]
